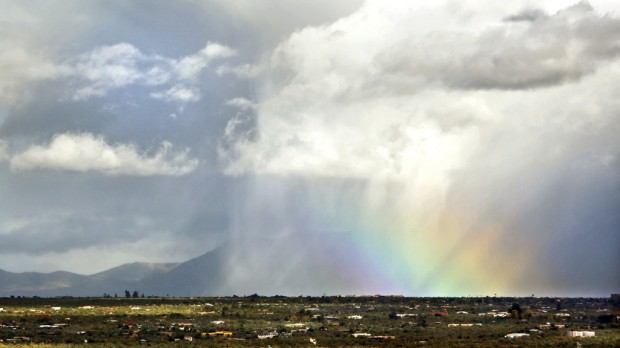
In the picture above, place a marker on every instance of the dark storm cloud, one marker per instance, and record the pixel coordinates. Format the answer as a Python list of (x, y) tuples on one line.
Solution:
[(57, 233)]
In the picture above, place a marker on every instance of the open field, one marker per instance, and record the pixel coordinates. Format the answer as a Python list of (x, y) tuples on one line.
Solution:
[(255, 321)]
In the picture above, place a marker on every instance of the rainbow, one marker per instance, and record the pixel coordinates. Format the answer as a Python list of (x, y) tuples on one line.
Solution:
[(393, 249)]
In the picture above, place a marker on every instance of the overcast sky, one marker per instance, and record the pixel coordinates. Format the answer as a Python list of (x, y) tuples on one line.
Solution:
[(416, 147)]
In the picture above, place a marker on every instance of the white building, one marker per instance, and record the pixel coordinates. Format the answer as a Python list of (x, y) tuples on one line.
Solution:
[(580, 334)]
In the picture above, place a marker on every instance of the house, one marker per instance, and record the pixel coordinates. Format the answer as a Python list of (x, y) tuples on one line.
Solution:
[(268, 335), (295, 325), (221, 333), (517, 335), (382, 337), (580, 334), (361, 334), (406, 315)]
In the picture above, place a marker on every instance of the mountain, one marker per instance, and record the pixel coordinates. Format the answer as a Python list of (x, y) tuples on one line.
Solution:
[(198, 276), (53, 284), (135, 271), (32, 281)]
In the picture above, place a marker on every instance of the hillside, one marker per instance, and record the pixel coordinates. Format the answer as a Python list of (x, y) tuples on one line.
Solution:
[(135, 271)]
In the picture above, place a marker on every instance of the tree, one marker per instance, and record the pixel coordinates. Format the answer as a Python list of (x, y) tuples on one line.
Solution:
[(135, 294), (127, 294), (516, 311)]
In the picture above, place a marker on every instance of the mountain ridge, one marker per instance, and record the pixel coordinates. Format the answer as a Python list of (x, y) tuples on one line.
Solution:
[(144, 277)]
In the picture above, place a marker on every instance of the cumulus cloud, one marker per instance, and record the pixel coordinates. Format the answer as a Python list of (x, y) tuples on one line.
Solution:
[(372, 95), (84, 152), (188, 68), (109, 67)]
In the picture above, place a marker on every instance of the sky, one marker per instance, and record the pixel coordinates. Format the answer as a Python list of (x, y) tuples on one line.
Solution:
[(333, 147)]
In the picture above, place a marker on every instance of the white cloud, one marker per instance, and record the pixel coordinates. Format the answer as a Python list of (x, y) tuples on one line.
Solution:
[(188, 68), (178, 93), (86, 152), (110, 67), (388, 92)]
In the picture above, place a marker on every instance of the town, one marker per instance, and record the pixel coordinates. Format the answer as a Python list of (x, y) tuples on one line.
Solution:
[(303, 321)]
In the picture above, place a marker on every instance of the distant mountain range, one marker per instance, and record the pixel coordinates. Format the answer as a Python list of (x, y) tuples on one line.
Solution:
[(289, 264), (175, 279)]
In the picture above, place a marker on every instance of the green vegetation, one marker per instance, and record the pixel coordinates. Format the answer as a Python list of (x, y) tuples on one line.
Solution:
[(300, 321)]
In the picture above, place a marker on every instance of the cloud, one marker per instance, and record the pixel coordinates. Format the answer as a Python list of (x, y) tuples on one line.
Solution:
[(527, 15), (266, 23), (178, 93), (109, 67), (241, 103), (437, 133), (188, 68), (121, 65), (85, 152), (20, 67), (376, 95), (31, 35), (60, 232), (3, 151)]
